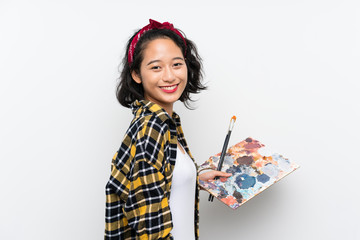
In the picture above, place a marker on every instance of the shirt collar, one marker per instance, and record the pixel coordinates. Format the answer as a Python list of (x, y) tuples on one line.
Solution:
[(140, 106)]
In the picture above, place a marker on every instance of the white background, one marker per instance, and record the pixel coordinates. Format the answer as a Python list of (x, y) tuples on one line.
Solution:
[(289, 70)]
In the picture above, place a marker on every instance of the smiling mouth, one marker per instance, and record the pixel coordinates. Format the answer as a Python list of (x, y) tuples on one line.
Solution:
[(169, 88)]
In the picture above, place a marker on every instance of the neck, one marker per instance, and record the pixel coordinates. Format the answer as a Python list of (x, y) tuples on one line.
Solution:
[(168, 109)]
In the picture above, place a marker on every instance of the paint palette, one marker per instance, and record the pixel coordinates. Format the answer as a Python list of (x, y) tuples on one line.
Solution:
[(252, 172)]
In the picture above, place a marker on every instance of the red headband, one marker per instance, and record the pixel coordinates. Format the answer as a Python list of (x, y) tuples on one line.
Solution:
[(153, 25)]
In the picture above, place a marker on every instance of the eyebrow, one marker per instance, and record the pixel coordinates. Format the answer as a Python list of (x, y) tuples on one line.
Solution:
[(153, 61)]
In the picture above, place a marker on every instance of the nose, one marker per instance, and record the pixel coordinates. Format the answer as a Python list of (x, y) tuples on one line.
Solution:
[(168, 75)]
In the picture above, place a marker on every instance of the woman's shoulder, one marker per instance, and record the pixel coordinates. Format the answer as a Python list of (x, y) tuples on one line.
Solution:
[(145, 111), (150, 120), (147, 123)]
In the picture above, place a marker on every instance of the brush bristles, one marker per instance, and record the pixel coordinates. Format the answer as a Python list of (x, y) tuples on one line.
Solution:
[(232, 121)]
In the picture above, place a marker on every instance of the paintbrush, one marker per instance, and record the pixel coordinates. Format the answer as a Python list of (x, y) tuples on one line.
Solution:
[(223, 152)]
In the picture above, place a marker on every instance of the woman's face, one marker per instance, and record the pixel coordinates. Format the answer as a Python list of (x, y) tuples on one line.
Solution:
[(163, 73)]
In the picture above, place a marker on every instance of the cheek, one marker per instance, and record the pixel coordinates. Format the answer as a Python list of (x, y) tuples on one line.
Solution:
[(184, 84), (186, 77), (184, 74), (149, 78)]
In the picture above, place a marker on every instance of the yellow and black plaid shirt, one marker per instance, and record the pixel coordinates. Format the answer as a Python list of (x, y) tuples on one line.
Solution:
[(138, 191)]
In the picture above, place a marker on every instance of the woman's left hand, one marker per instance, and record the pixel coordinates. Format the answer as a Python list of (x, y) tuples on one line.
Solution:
[(210, 175)]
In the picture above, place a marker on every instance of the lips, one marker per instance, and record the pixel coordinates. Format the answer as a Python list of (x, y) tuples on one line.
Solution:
[(169, 89)]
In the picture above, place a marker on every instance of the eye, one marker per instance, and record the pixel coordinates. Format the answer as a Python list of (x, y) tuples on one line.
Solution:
[(155, 67), (178, 64)]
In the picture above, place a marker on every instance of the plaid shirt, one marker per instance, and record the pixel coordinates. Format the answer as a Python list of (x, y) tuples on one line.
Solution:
[(138, 191)]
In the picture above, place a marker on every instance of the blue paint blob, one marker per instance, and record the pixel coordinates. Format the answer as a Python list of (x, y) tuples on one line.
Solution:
[(245, 181), (263, 178)]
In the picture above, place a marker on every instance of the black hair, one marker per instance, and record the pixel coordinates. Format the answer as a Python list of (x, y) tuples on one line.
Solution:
[(127, 90)]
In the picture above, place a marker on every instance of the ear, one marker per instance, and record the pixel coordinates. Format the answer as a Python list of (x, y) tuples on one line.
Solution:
[(136, 77)]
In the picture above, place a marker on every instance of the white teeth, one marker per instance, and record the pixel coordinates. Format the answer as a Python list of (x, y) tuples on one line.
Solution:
[(169, 88)]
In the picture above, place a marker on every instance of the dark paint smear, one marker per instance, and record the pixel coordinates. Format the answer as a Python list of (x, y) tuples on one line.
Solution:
[(257, 171), (245, 181), (233, 169), (223, 193), (246, 160), (211, 186), (263, 178), (252, 145), (238, 196)]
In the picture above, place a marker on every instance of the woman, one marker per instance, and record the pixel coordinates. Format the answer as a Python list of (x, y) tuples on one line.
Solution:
[(153, 190)]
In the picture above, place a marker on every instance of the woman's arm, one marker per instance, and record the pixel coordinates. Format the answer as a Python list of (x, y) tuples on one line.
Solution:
[(137, 203)]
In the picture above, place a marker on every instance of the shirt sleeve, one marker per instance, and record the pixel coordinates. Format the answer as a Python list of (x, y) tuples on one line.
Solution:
[(142, 188)]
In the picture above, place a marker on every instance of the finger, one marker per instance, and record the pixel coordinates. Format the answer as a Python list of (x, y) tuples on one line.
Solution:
[(224, 174)]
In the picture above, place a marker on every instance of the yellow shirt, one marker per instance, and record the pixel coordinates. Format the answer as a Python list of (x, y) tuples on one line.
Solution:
[(138, 191)]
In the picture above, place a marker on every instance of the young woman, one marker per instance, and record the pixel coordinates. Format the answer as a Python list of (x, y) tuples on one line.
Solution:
[(153, 190)]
